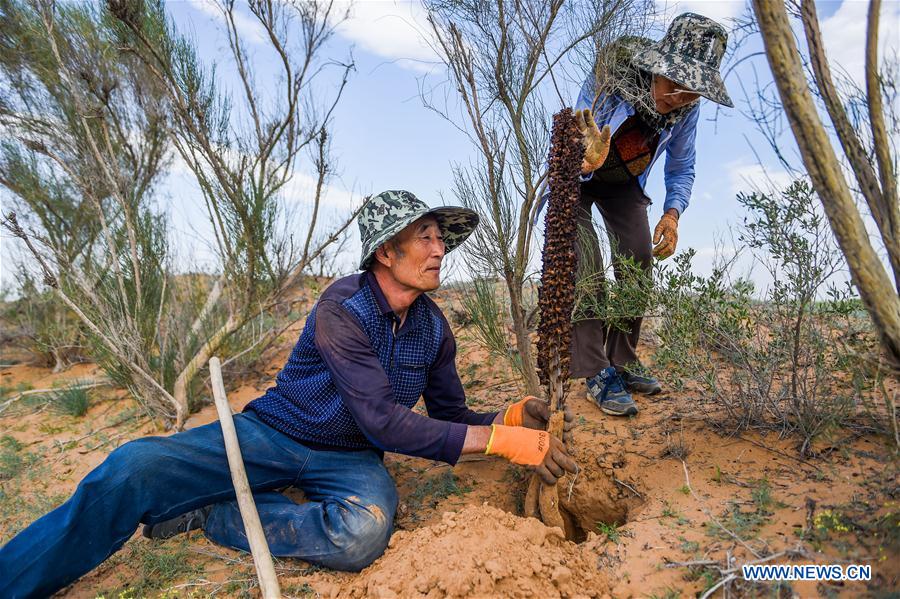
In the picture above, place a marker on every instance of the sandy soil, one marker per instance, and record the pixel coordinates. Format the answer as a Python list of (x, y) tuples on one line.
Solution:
[(664, 505)]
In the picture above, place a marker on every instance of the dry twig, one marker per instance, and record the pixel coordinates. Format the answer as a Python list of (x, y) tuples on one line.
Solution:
[(687, 482)]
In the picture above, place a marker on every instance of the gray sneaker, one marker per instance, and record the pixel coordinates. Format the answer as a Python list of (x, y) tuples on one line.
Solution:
[(177, 525), (607, 390), (641, 382)]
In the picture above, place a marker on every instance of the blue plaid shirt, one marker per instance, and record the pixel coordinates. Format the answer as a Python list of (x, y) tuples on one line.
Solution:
[(351, 381)]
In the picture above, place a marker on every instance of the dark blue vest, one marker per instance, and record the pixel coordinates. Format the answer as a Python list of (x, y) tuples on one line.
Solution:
[(304, 403)]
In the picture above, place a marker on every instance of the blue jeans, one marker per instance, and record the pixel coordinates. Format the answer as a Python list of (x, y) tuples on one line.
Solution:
[(345, 525)]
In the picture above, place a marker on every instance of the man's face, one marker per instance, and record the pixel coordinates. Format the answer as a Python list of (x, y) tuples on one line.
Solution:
[(415, 255), (669, 96)]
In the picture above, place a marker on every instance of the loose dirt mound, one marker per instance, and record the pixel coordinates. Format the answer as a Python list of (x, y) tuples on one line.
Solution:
[(482, 552)]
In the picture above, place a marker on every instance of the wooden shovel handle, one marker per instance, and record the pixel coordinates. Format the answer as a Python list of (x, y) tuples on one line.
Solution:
[(259, 548)]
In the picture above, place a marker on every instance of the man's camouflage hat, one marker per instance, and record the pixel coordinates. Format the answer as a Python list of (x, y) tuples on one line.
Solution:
[(690, 54), (390, 212)]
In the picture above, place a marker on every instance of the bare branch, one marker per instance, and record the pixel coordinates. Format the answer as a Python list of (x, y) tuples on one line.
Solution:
[(878, 202), (890, 228)]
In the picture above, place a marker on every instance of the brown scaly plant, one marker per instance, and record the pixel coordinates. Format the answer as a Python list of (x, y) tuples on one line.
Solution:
[(502, 60), (556, 298)]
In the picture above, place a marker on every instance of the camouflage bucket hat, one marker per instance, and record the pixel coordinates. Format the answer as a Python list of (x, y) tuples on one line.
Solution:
[(690, 54), (390, 212)]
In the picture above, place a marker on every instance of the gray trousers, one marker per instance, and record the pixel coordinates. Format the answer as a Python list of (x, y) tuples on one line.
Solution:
[(595, 343)]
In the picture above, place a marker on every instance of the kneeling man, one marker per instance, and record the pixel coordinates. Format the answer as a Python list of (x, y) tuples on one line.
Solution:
[(372, 346)]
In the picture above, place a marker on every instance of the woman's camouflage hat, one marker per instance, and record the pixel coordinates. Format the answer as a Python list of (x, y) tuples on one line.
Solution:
[(390, 212), (690, 54)]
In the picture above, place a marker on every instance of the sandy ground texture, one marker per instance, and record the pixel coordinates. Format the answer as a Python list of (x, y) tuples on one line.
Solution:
[(667, 504)]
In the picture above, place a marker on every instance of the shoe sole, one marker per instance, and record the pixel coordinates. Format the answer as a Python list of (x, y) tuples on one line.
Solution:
[(628, 412), (149, 534), (644, 389), (154, 531), (632, 411)]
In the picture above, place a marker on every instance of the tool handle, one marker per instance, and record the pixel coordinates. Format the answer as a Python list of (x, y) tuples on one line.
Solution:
[(259, 548)]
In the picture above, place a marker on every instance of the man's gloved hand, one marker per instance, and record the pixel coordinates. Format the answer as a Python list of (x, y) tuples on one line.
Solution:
[(528, 447), (532, 412), (596, 142), (665, 236)]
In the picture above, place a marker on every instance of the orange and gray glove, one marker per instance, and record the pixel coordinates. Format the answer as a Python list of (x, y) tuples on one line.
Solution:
[(665, 236), (528, 447), (596, 142), (532, 412)]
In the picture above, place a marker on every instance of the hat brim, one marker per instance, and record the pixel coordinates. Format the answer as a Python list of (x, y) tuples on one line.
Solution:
[(456, 224), (693, 75)]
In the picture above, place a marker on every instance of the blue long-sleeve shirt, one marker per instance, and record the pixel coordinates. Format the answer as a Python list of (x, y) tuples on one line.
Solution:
[(351, 381), (677, 141)]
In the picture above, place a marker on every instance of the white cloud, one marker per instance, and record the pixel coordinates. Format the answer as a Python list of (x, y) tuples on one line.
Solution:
[(393, 29), (248, 27), (844, 34), (748, 177), (398, 30), (718, 10), (300, 191)]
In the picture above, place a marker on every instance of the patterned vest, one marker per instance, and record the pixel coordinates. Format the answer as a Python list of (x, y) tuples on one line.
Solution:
[(304, 403), (632, 148)]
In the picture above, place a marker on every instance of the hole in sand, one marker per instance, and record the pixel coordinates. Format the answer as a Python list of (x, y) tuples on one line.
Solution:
[(596, 499)]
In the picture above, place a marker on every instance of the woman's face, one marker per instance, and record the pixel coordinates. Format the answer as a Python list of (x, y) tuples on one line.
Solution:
[(669, 96)]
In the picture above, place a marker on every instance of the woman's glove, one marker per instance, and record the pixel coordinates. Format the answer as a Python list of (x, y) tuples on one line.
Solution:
[(596, 142), (665, 236)]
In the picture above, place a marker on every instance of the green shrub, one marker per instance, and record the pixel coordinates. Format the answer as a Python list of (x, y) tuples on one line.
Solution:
[(71, 401), (787, 359), (12, 458), (39, 322)]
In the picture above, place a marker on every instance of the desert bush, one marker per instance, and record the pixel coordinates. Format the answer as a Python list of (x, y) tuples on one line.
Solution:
[(73, 400), (244, 152), (41, 324), (484, 309), (823, 103), (93, 98), (84, 148), (797, 358), (12, 457), (615, 291), (687, 304)]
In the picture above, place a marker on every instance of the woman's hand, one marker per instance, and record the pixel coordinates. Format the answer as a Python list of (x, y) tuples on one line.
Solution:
[(596, 142), (665, 237)]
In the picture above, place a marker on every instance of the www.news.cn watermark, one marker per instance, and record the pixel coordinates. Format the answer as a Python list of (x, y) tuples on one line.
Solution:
[(773, 572)]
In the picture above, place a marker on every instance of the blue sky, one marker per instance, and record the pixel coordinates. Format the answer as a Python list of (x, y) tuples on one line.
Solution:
[(384, 138)]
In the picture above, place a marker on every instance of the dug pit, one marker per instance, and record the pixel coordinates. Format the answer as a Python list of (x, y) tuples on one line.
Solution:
[(609, 492)]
